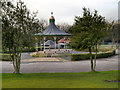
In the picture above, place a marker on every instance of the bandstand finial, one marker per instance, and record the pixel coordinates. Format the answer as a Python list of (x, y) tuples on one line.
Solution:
[(52, 19), (51, 13)]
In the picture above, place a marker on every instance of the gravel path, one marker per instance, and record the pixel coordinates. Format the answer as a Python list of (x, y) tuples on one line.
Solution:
[(104, 64)]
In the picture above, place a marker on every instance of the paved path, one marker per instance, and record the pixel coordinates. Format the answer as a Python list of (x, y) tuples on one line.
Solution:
[(44, 59), (26, 55), (63, 66)]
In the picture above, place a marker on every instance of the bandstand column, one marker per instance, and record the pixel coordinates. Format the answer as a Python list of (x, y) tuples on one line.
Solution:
[(68, 41), (36, 45), (44, 42), (40, 44), (59, 46), (49, 46), (64, 42), (55, 42)]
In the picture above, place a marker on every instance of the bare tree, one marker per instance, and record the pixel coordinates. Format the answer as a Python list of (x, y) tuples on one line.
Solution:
[(64, 26)]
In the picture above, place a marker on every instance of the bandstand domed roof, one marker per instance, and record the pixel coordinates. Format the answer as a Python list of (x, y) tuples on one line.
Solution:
[(52, 30)]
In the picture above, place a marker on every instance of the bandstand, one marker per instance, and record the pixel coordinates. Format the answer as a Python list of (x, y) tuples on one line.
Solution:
[(53, 32)]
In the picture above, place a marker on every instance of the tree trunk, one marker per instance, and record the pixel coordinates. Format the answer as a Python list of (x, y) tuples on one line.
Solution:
[(95, 56), (91, 59), (103, 42), (98, 44), (112, 42), (16, 63), (13, 60), (117, 45)]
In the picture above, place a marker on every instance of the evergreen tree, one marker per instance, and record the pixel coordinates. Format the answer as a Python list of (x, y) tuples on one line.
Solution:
[(87, 31)]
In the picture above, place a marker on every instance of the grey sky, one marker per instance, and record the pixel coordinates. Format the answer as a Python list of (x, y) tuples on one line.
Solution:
[(66, 10)]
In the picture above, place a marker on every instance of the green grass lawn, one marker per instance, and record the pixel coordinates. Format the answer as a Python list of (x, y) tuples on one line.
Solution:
[(61, 80)]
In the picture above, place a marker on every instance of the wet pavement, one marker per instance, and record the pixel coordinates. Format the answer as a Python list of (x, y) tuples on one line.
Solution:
[(26, 55), (103, 64)]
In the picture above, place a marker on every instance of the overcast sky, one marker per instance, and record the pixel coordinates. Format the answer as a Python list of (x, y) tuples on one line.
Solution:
[(66, 10)]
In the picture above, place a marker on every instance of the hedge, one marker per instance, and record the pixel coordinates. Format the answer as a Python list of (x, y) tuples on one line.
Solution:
[(84, 56), (32, 49)]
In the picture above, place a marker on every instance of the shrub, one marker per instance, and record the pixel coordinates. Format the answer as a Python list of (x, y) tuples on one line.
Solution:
[(5, 57), (84, 56), (38, 55), (32, 49)]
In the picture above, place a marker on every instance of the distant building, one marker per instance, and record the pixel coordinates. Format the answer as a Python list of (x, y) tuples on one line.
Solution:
[(64, 41)]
